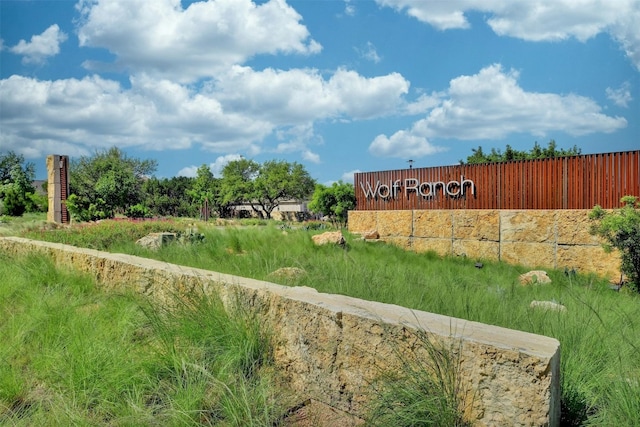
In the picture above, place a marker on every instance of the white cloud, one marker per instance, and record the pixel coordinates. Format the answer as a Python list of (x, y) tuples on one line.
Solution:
[(297, 139), (369, 53), (423, 104), (348, 176), (621, 96), (491, 105), (161, 38), (365, 98), (95, 113), (310, 156), (349, 8), (537, 20), (403, 144), (215, 167), (220, 162), (301, 95), (234, 113), (189, 171), (41, 46)]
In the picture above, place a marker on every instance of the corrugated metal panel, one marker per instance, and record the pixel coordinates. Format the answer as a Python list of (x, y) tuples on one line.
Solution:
[(64, 188), (577, 182)]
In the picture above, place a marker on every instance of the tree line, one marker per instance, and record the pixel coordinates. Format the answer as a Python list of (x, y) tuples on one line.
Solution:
[(509, 154), (110, 183)]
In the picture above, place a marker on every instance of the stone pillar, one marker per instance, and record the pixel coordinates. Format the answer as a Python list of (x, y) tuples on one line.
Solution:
[(58, 188)]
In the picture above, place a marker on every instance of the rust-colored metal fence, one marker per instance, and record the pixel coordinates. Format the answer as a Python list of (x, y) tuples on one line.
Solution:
[(576, 182)]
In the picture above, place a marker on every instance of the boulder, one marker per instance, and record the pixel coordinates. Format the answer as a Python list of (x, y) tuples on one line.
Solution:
[(538, 277), (548, 305), (329, 237), (155, 241), (371, 235), (288, 273)]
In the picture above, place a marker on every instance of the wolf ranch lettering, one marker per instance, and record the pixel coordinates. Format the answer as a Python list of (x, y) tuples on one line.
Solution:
[(423, 189)]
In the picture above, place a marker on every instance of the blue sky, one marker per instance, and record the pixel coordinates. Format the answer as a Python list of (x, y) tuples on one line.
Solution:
[(339, 86)]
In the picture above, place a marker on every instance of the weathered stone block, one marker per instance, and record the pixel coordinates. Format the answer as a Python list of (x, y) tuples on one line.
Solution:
[(527, 226), (476, 224), (400, 241), (477, 249), (589, 259), (573, 228), (394, 223), (328, 237), (432, 223), (529, 254), (440, 246), (361, 221)]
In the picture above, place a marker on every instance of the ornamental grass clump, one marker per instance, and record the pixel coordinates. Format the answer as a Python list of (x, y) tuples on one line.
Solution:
[(426, 389)]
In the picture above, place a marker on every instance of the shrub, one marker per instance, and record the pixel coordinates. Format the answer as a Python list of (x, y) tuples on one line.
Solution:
[(81, 209), (138, 211), (15, 201), (621, 230)]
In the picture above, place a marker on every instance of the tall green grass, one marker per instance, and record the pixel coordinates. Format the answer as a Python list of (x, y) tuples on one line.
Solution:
[(426, 388), (599, 333), (72, 355)]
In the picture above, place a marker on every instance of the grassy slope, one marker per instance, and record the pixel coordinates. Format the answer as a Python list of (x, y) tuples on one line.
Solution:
[(72, 355), (599, 334)]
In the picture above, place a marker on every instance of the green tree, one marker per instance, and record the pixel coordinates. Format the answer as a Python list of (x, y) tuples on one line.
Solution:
[(278, 181), (236, 184), (16, 189), (169, 196), (206, 188), (202, 187), (335, 201), (621, 230), (264, 186), (106, 183), (537, 152)]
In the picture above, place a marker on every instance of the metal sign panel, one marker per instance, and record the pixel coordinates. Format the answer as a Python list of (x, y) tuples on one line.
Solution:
[(575, 182)]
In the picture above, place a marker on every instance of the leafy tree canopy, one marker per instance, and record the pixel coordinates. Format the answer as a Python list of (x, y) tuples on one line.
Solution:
[(236, 185), (335, 201), (106, 183), (16, 189), (169, 196), (537, 152), (264, 186)]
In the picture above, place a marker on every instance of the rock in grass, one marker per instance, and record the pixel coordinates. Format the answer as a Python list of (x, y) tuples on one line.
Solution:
[(329, 237), (371, 235), (155, 241), (548, 305), (535, 277), (288, 273)]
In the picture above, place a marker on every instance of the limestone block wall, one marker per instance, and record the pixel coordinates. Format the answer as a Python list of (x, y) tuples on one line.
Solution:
[(331, 347), (535, 238)]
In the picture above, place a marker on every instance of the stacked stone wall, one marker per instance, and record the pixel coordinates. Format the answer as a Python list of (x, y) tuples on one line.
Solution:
[(331, 347), (534, 238)]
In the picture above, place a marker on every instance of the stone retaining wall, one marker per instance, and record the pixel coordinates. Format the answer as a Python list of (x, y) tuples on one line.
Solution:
[(331, 347), (535, 238)]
